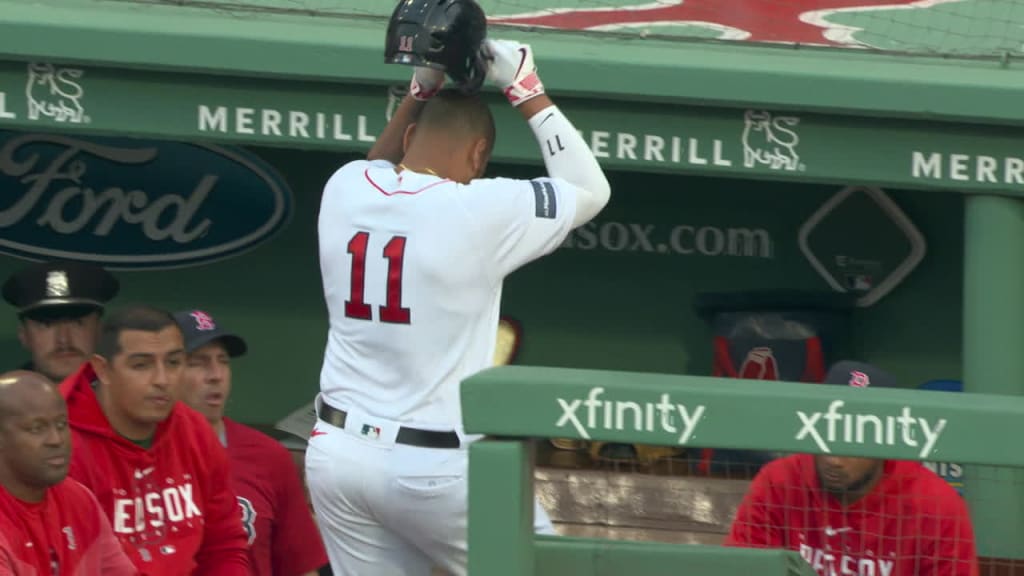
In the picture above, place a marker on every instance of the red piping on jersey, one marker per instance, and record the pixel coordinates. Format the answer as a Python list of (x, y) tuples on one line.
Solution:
[(410, 192)]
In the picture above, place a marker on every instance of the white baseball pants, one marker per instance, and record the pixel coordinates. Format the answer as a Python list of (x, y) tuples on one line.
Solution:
[(387, 509)]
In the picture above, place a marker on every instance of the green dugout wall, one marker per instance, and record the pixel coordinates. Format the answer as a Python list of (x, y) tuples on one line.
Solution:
[(720, 154)]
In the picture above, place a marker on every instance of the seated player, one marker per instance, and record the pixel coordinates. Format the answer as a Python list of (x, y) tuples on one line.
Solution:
[(153, 463), (858, 516), (283, 539), (49, 523)]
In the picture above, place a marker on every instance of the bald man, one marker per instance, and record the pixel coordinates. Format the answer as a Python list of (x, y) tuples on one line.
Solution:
[(49, 523)]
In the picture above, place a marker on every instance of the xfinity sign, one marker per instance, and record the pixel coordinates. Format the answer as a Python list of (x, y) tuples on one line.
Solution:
[(592, 412), (834, 427)]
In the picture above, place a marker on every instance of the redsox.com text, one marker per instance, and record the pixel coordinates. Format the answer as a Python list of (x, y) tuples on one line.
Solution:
[(684, 239)]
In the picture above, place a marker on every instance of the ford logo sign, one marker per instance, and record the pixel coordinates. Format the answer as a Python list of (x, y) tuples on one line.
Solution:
[(134, 204)]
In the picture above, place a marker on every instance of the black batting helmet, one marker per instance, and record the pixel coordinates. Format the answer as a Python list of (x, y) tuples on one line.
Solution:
[(442, 34)]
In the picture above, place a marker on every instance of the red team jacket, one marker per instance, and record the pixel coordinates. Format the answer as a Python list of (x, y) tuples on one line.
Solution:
[(912, 523), (171, 506), (283, 539), (64, 534)]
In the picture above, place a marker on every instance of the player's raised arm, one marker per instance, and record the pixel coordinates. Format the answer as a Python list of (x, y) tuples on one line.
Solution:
[(390, 144), (566, 155)]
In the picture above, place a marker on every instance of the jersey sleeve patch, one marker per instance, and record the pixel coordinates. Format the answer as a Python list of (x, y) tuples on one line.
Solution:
[(545, 203)]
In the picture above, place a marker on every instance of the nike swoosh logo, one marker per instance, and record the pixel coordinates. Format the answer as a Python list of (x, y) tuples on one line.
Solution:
[(522, 60), (550, 114), (829, 531)]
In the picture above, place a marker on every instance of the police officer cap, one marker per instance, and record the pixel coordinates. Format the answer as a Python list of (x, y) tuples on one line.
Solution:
[(55, 289)]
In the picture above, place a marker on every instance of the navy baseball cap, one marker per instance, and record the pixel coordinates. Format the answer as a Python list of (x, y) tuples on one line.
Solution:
[(200, 329), (859, 375)]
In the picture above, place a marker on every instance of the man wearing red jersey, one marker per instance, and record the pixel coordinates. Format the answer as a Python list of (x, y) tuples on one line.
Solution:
[(283, 539), (858, 516), (153, 463), (49, 523)]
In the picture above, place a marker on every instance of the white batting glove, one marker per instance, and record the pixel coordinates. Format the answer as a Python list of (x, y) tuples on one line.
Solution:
[(425, 83), (512, 69)]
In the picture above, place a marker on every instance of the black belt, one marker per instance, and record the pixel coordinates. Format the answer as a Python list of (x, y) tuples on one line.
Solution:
[(410, 436)]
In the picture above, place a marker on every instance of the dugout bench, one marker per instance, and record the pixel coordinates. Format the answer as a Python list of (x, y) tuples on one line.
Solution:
[(513, 405)]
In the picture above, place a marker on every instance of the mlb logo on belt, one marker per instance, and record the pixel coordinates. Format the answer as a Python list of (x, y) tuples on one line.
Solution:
[(370, 431)]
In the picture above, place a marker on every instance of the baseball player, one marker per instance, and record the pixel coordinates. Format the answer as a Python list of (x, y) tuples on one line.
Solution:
[(414, 246), (858, 516), (49, 523), (154, 464), (283, 539), (59, 306)]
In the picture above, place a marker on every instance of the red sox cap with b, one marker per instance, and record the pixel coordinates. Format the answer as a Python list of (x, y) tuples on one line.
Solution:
[(859, 375), (199, 329)]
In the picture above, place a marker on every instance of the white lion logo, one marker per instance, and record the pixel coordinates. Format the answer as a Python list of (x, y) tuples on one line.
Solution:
[(770, 141), (54, 93)]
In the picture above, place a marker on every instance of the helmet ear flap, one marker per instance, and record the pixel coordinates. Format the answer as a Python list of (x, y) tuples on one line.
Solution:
[(436, 44), (477, 73)]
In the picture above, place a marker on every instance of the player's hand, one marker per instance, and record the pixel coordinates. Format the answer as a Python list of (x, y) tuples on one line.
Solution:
[(425, 82), (512, 69)]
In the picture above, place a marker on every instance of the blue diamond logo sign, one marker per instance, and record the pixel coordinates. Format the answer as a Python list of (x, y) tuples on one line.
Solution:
[(860, 242)]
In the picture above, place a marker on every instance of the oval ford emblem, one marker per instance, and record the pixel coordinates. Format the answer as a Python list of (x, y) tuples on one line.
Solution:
[(134, 204)]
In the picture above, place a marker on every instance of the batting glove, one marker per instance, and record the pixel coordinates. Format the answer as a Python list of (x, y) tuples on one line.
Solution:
[(425, 82), (512, 69)]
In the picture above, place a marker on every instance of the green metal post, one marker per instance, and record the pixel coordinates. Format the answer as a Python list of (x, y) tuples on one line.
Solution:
[(993, 358), (501, 538)]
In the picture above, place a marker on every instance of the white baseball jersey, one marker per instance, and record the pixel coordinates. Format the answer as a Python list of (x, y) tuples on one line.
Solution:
[(412, 268)]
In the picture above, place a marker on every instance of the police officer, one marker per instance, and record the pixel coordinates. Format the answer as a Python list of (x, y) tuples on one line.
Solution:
[(59, 305)]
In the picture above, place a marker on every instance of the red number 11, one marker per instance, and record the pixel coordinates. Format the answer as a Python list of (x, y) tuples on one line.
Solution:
[(356, 306)]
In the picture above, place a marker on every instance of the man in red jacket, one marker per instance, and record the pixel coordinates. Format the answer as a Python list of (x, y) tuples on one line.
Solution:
[(153, 463), (49, 523), (284, 540), (858, 516)]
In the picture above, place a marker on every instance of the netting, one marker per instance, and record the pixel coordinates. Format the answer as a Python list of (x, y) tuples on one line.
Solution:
[(780, 479), (647, 493), (964, 28)]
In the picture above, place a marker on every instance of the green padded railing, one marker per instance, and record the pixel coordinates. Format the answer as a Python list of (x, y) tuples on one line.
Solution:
[(514, 404), (558, 556)]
